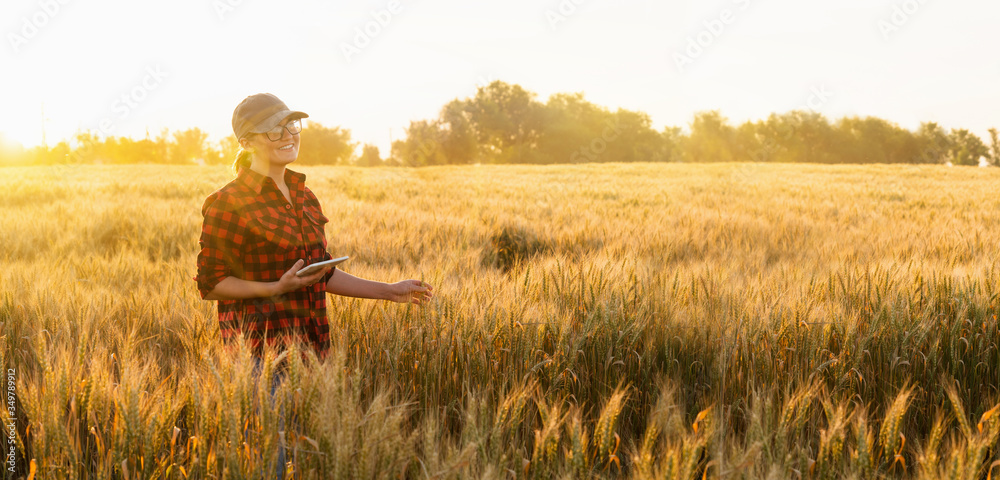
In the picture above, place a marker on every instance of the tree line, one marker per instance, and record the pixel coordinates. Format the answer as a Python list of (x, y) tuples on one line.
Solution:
[(505, 123), (191, 146)]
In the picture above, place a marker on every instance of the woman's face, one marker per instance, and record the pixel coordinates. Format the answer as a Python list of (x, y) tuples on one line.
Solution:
[(278, 152)]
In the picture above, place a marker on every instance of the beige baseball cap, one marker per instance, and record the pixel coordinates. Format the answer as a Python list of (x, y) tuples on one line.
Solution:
[(260, 113)]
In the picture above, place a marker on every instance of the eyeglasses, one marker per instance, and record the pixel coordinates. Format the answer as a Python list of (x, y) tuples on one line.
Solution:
[(275, 134)]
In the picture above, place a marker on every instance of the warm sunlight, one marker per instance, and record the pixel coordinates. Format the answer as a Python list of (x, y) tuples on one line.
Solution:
[(374, 66), (519, 239)]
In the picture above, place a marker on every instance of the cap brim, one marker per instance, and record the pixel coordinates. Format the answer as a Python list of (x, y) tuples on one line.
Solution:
[(274, 120)]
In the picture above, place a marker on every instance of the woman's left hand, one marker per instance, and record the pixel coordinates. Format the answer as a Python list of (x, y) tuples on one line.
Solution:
[(410, 291)]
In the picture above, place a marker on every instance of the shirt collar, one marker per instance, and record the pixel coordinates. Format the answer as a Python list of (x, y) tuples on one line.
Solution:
[(255, 181)]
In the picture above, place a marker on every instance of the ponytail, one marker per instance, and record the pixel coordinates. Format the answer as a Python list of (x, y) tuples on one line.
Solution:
[(243, 159)]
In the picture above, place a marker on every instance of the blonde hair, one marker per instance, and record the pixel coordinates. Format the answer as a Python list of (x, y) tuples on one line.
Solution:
[(243, 159)]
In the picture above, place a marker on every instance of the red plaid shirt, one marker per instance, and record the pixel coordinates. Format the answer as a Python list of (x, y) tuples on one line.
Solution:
[(251, 232)]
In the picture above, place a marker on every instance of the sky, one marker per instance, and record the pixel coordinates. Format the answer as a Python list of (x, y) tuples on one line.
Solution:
[(126, 68)]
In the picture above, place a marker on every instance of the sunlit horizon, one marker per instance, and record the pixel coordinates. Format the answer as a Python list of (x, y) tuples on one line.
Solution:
[(125, 69)]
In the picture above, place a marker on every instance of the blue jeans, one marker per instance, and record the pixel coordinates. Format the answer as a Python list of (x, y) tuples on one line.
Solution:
[(276, 379)]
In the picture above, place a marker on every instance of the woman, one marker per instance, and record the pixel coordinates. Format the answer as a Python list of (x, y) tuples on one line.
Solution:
[(264, 226)]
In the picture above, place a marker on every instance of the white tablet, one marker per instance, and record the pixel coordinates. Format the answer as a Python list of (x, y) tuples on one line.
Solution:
[(311, 269)]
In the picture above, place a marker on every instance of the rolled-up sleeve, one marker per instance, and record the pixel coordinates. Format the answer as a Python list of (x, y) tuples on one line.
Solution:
[(326, 278), (222, 235)]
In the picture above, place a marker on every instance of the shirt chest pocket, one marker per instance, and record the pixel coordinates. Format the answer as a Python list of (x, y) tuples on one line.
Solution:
[(272, 232), (314, 225)]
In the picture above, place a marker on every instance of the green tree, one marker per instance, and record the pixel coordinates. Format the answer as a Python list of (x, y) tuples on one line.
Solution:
[(422, 145), (450, 139), (121, 150), (321, 145), (89, 148), (228, 146), (672, 142), (570, 127), (874, 140), (508, 122), (811, 137), (630, 137), (752, 144), (796, 136), (188, 146), (457, 137), (966, 148), (933, 144), (370, 156), (994, 147), (712, 139)]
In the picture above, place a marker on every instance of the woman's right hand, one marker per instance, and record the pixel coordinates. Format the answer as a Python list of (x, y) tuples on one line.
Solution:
[(290, 282)]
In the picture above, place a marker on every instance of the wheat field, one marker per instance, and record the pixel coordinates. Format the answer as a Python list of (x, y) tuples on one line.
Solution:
[(592, 321)]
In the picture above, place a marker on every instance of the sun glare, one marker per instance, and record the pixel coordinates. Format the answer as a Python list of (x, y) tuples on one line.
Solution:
[(107, 67)]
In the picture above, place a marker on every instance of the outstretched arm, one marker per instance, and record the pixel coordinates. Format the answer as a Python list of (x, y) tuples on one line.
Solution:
[(407, 291), (232, 288)]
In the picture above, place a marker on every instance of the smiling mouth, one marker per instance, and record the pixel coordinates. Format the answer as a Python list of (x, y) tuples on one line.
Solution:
[(287, 147)]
